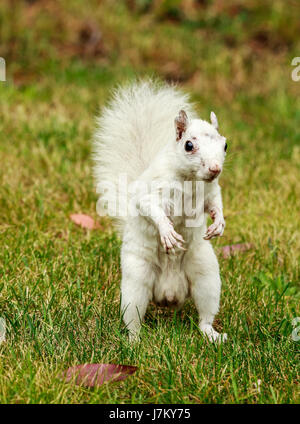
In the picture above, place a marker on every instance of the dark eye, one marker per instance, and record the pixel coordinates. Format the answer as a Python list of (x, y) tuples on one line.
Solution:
[(188, 146), (225, 147)]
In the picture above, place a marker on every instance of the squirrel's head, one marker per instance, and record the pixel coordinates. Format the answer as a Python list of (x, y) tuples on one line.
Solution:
[(201, 148)]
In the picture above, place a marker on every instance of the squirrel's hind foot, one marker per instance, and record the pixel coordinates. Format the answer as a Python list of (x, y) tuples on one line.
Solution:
[(213, 335)]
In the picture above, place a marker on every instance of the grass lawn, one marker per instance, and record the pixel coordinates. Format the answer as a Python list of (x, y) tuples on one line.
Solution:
[(59, 283)]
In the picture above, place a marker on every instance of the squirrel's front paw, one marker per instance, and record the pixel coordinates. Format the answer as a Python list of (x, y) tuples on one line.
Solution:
[(216, 229), (169, 238)]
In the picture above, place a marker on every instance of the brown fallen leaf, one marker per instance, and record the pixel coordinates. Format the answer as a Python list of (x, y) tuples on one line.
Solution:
[(93, 375), (230, 249), (85, 221)]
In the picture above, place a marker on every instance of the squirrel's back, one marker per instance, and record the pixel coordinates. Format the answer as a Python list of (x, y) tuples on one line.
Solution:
[(132, 129)]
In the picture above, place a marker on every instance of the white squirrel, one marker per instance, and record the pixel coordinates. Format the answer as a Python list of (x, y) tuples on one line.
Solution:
[(162, 258)]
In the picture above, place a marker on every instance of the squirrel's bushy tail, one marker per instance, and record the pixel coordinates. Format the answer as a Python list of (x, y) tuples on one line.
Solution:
[(131, 130)]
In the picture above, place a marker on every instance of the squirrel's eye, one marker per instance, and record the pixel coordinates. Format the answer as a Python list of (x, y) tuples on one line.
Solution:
[(225, 147), (189, 146)]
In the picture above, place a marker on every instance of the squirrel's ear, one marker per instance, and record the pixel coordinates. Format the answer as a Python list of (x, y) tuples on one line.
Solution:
[(214, 120), (181, 122)]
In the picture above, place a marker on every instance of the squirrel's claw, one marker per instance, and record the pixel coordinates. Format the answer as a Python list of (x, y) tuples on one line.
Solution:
[(214, 230), (170, 239)]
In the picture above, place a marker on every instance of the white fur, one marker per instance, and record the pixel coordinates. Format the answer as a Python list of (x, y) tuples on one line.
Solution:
[(162, 259)]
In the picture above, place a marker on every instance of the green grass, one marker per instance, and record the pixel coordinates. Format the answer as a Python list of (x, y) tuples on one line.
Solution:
[(59, 284)]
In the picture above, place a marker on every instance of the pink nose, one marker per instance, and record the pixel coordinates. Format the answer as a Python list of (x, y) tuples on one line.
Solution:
[(215, 170)]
